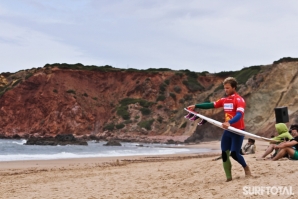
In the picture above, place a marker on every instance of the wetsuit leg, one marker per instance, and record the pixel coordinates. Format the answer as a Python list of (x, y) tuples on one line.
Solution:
[(225, 147), (237, 141)]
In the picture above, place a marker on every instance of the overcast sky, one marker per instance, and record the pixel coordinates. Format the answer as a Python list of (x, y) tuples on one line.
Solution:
[(199, 35)]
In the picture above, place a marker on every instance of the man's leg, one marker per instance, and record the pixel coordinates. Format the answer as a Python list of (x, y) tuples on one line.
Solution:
[(283, 152), (268, 150), (237, 141), (225, 148)]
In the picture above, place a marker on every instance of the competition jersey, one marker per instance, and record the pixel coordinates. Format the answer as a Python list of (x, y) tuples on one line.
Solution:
[(231, 105)]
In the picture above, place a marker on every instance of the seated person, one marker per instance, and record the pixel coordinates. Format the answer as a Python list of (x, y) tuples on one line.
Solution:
[(289, 148), (249, 147), (283, 134)]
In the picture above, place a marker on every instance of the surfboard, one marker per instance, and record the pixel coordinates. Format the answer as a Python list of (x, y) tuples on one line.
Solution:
[(230, 128)]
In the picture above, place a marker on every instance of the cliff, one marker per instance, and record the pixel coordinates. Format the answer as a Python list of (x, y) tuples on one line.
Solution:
[(104, 102)]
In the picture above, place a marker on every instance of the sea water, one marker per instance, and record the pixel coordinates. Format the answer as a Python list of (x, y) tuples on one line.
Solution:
[(11, 150)]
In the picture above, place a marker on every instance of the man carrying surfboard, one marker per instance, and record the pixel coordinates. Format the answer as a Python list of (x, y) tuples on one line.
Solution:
[(231, 143)]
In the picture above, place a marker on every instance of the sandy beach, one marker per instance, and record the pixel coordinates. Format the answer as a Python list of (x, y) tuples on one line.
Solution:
[(172, 176)]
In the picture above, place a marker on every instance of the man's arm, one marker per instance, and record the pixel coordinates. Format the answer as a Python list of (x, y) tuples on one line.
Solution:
[(235, 119), (206, 105), (286, 144)]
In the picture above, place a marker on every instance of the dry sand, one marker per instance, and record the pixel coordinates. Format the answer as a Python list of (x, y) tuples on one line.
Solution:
[(175, 176)]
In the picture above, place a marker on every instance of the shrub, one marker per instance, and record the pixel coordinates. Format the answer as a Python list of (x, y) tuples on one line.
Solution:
[(145, 111), (122, 111), (243, 75), (177, 89), (120, 126), (160, 119), (167, 81), (173, 95), (157, 69), (95, 98), (109, 127), (85, 95), (71, 91), (146, 124), (161, 98), (145, 103), (204, 73), (179, 74), (225, 74), (28, 75), (191, 74), (162, 88), (285, 59), (187, 97), (159, 106), (193, 85), (55, 91)]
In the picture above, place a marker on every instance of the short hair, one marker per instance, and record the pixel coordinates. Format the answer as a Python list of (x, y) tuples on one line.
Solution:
[(232, 81), (294, 127), (251, 140)]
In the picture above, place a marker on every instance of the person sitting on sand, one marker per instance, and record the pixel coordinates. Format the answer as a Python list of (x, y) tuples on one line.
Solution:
[(290, 148), (283, 134), (249, 147)]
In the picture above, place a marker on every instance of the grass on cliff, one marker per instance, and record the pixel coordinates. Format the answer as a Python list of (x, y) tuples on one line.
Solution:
[(122, 110), (146, 124), (80, 66), (241, 76), (109, 127), (192, 83)]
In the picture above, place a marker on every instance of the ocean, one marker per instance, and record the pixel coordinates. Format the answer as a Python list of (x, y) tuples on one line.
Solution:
[(12, 150)]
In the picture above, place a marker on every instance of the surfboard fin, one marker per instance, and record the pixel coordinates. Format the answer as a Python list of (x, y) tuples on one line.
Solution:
[(189, 115), (194, 118), (202, 122)]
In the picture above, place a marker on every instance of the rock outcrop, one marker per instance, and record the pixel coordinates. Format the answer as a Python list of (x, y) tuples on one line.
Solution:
[(67, 139)]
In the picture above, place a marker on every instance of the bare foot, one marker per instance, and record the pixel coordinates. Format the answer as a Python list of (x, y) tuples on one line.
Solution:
[(247, 171)]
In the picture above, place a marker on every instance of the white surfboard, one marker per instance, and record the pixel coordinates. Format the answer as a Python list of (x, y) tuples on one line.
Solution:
[(230, 128)]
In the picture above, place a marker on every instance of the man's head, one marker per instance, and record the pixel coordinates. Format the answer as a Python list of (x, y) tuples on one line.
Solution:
[(251, 141), (230, 85), (294, 130)]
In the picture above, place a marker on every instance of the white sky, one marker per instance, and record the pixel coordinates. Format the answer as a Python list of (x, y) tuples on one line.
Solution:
[(198, 35)]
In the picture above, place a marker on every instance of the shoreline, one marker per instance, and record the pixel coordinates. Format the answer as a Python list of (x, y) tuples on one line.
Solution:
[(62, 162)]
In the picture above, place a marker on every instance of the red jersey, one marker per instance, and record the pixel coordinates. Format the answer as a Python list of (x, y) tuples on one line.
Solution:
[(231, 105)]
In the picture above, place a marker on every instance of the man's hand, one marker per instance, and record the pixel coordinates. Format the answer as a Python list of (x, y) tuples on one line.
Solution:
[(225, 125), (191, 107)]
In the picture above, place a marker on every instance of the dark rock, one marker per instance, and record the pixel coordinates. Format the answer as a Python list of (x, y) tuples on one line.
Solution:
[(16, 136), (61, 139), (112, 143)]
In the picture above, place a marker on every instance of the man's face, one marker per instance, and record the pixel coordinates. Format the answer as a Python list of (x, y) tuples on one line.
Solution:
[(294, 133), (228, 89)]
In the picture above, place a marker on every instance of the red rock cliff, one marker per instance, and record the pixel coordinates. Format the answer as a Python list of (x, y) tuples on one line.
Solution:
[(125, 103)]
